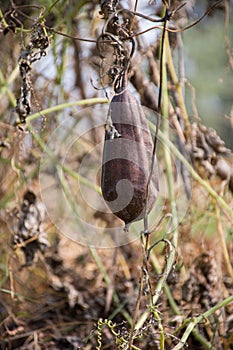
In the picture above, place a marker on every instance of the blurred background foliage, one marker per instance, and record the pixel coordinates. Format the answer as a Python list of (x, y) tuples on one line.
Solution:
[(208, 70)]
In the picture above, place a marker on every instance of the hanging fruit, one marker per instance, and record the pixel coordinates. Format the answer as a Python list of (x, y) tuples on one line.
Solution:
[(127, 160)]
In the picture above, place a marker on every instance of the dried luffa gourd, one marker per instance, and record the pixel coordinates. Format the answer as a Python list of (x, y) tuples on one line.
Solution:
[(127, 160)]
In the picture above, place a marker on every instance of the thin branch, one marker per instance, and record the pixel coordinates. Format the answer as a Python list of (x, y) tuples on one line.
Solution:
[(70, 36), (208, 11)]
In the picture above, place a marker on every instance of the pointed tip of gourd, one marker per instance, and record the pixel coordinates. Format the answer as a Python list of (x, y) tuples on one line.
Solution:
[(126, 228)]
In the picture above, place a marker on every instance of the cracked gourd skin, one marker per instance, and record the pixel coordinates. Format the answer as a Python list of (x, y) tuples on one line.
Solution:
[(127, 158)]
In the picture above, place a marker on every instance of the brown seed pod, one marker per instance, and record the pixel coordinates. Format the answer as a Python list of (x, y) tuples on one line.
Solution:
[(127, 159)]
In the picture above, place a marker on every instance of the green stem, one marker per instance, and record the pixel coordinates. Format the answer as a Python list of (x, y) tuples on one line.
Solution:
[(90, 101), (167, 291), (170, 183), (177, 84), (160, 328), (167, 154), (2, 19), (47, 12), (199, 319), (207, 345), (82, 179), (5, 85)]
